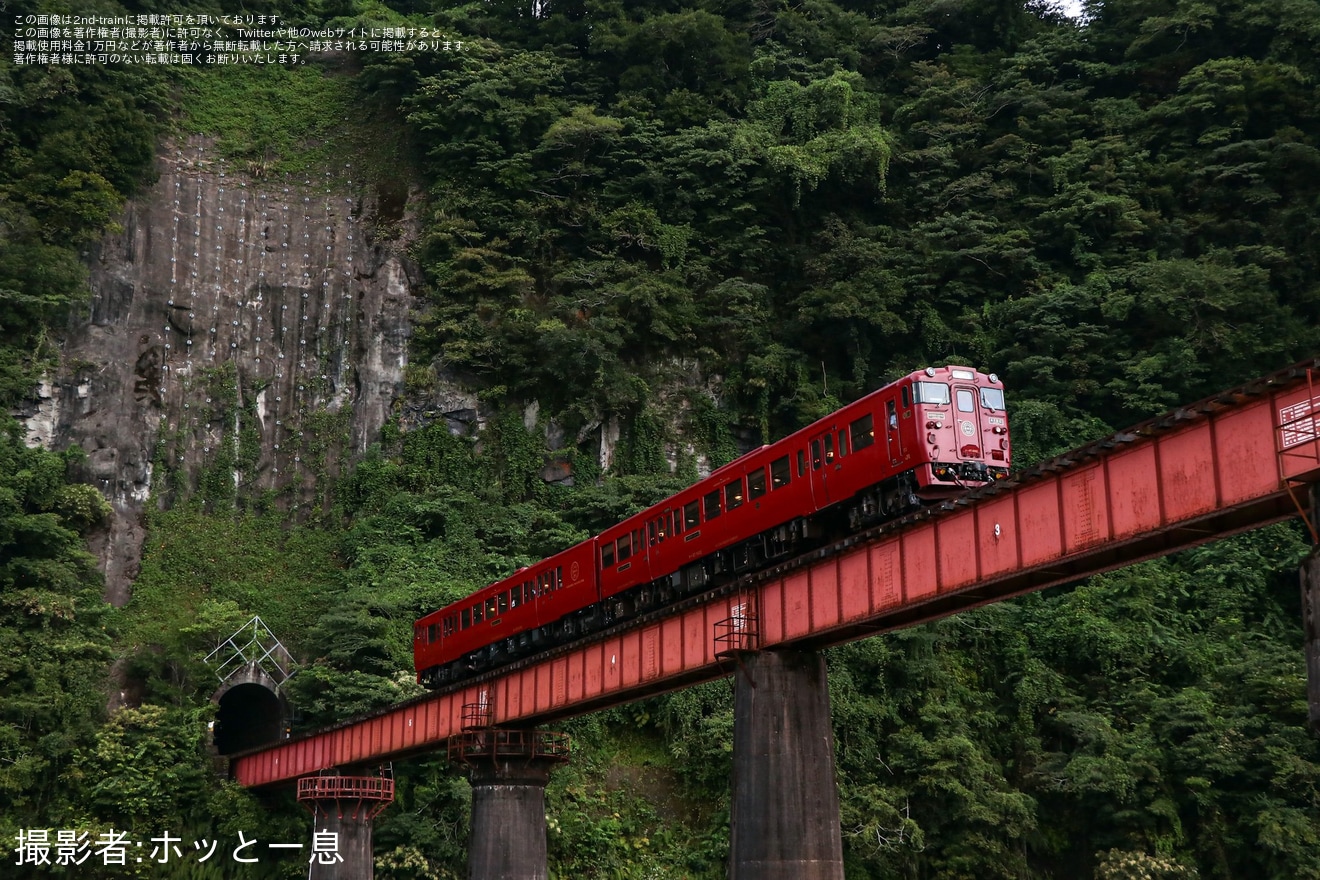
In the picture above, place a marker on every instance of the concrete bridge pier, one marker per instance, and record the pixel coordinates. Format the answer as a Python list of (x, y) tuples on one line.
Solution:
[(343, 808), (509, 770), (785, 810), (1310, 580), (1310, 577)]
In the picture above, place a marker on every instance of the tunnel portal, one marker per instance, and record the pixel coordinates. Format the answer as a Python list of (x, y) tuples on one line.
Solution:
[(251, 713), (252, 710)]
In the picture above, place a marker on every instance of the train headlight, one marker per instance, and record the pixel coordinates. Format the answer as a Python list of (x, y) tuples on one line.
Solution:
[(930, 371), (994, 380), (930, 438)]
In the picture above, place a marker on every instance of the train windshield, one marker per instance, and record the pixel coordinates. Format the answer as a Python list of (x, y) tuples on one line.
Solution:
[(931, 392), (992, 398)]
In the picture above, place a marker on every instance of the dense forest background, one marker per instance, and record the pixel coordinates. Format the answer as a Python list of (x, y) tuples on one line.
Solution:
[(716, 221)]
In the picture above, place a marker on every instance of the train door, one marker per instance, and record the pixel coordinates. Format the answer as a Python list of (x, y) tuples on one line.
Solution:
[(967, 420), (893, 437), (821, 456)]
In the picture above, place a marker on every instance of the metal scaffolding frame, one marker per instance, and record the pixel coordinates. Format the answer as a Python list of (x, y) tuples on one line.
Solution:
[(252, 644)]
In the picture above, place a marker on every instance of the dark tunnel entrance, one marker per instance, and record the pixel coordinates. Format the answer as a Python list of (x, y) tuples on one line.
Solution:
[(250, 715)]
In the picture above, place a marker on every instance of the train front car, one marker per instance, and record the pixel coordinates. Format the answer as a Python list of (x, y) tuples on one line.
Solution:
[(961, 427)]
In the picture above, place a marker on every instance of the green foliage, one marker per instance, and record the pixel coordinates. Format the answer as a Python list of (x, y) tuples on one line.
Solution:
[(621, 810), (814, 223), (269, 118), (773, 208), (55, 645), (1118, 865), (146, 769), (204, 574)]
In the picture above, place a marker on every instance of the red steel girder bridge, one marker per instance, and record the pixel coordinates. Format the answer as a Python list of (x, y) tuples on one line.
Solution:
[(1232, 462)]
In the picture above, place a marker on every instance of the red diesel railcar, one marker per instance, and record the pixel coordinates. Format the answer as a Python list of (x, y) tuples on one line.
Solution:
[(931, 434)]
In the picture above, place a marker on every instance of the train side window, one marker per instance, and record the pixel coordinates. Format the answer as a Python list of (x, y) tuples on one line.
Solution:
[(650, 531), (907, 397), (492, 609), (779, 472), (504, 601), (802, 462), (862, 432), (843, 443), (815, 455), (965, 403), (607, 555), (625, 547), (891, 414), (477, 616), (466, 618), (829, 448), (692, 515), (559, 576), (515, 596), (447, 629), (528, 593), (756, 483), (733, 494), (712, 504), (433, 633), (676, 521), (638, 544)]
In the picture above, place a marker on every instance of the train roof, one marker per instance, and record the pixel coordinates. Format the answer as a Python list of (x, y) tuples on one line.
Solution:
[(518, 576)]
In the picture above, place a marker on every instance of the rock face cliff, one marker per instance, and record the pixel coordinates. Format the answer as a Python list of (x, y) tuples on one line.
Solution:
[(245, 337)]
